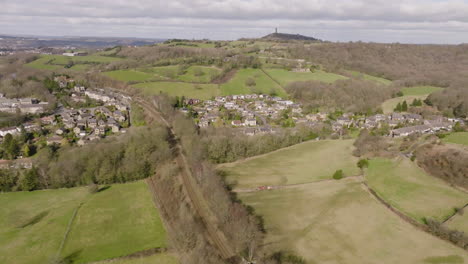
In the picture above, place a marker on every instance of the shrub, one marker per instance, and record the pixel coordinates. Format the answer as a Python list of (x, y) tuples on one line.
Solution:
[(363, 163), (250, 82), (93, 188), (338, 175)]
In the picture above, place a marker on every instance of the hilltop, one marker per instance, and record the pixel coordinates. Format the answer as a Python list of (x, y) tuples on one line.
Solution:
[(285, 36)]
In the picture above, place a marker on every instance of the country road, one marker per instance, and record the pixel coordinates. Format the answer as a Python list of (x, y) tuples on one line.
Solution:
[(215, 235)]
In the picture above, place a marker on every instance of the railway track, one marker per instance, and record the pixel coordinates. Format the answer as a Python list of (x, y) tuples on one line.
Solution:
[(202, 209)]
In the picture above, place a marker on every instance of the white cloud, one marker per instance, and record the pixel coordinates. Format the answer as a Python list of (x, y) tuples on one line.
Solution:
[(433, 21)]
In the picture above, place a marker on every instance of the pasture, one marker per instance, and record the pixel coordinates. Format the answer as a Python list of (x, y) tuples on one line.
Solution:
[(32, 224), (189, 90), (368, 77), (193, 74), (420, 90), (117, 221), (459, 222), (105, 228), (306, 162), (263, 84), (129, 75), (339, 222), (162, 258), (285, 77), (54, 62), (409, 94), (408, 188), (389, 105), (457, 138)]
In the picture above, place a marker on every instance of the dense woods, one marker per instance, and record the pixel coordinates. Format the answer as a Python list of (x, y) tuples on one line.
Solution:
[(350, 95), (438, 65), (448, 163)]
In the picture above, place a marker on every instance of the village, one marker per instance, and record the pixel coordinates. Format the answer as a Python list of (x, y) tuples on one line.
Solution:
[(65, 125), (259, 114)]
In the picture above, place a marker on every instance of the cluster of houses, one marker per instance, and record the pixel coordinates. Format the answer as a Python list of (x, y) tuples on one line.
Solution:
[(87, 124), (22, 105), (92, 123), (251, 108), (400, 124)]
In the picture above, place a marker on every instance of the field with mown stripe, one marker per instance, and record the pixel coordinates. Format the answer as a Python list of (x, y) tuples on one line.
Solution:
[(407, 187), (117, 221)]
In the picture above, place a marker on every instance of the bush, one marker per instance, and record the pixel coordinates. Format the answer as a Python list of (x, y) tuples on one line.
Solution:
[(250, 82), (363, 163), (338, 175), (93, 188)]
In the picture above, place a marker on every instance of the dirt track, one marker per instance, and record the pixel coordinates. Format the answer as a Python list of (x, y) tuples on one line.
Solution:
[(215, 235)]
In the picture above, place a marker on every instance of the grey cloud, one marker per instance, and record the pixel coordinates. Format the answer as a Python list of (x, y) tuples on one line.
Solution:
[(378, 20)]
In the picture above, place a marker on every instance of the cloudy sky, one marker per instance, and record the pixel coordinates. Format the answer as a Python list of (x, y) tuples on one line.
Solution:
[(405, 21)]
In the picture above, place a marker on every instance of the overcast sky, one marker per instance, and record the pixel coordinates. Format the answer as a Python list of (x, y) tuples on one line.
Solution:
[(405, 21)]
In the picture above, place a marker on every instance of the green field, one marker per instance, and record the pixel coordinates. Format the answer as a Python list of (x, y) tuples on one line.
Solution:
[(162, 258), (199, 74), (39, 241), (409, 94), (339, 222), (193, 74), (129, 75), (117, 221), (459, 222), (368, 77), (54, 62), (306, 162), (389, 105), (457, 138), (285, 77), (105, 229), (263, 84), (419, 90), (407, 187), (189, 90)]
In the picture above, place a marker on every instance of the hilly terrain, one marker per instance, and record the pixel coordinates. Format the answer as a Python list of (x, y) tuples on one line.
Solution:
[(286, 36)]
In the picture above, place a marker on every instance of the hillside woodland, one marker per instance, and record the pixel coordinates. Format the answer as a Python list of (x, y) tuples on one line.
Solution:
[(438, 65)]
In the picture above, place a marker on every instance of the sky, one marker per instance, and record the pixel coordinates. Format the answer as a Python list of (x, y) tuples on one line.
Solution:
[(404, 21)]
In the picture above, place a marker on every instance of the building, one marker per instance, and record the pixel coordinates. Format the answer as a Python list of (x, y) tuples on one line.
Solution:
[(250, 122)]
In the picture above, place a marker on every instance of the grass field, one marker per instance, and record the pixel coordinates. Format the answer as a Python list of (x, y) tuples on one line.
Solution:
[(189, 90), (368, 77), (285, 77), (459, 222), (47, 213), (338, 222), (115, 222), (206, 74), (162, 258), (53, 62), (409, 94), (263, 84), (306, 162), (407, 187), (129, 75), (389, 105), (457, 138), (193, 74), (105, 228), (420, 90)]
